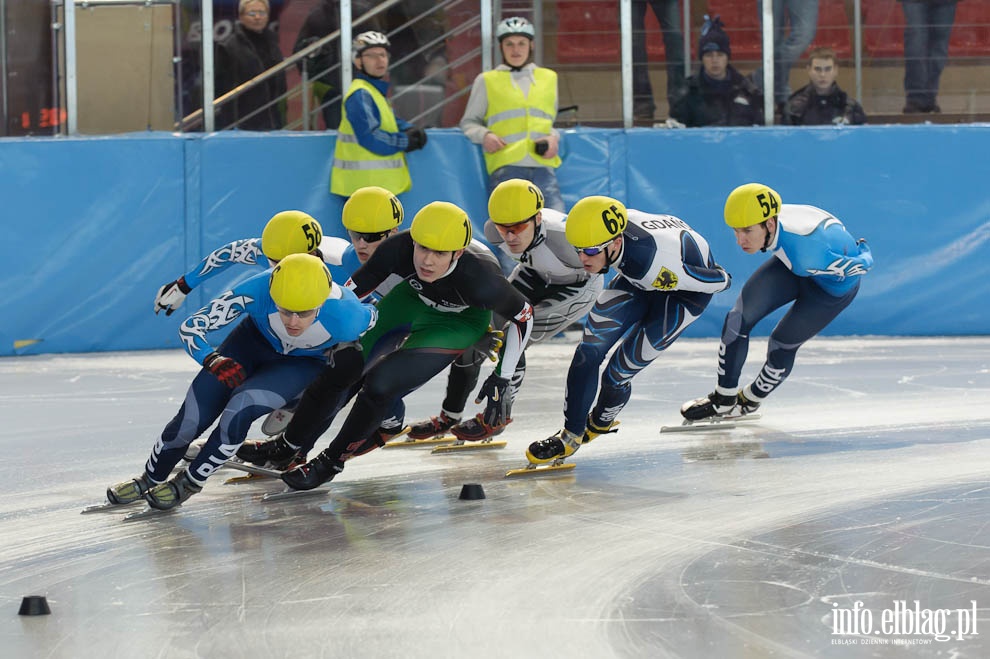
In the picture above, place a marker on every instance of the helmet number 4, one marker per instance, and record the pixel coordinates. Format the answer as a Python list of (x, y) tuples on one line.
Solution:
[(768, 203), (615, 221)]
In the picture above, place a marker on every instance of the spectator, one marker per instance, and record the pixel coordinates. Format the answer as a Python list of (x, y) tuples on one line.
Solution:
[(822, 101), (718, 95), (323, 66), (510, 113), (928, 25), (669, 16), (247, 51), (802, 15), (371, 140)]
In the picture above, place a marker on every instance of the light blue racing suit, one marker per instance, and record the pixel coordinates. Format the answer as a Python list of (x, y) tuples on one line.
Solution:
[(278, 368), (818, 266)]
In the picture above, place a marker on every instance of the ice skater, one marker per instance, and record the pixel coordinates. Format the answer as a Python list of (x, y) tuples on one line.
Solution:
[(818, 266), (548, 273), (666, 276), (295, 316)]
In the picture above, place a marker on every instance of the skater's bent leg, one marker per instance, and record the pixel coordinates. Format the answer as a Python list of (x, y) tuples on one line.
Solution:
[(397, 375), (324, 397), (769, 288), (813, 310), (463, 378)]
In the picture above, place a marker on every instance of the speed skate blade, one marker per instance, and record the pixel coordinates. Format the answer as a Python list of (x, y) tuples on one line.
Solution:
[(409, 443), (461, 445), (252, 469), (107, 507), (289, 493), (148, 512), (719, 423), (247, 478), (535, 470)]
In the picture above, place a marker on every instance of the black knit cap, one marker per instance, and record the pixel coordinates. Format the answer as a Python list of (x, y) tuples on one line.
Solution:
[(713, 37)]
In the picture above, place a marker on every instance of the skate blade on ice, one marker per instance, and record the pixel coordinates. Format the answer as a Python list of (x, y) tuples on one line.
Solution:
[(716, 423), (409, 443), (149, 512), (462, 445), (535, 469), (288, 493), (107, 507), (276, 422), (247, 478), (236, 464)]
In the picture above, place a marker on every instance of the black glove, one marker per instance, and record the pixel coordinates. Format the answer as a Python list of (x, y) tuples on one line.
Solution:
[(171, 295), (496, 390), (225, 369), (417, 139)]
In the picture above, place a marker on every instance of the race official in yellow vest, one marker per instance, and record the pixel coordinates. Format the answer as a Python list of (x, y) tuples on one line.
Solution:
[(510, 113), (372, 141)]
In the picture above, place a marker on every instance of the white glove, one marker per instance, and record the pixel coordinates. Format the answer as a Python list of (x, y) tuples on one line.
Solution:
[(170, 296)]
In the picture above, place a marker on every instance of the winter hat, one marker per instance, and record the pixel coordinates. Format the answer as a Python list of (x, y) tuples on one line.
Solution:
[(713, 37)]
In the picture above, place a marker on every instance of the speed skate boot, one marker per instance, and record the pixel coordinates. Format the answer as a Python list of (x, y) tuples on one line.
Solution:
[(172, 493), (435, 426), (130, 491), (556, 447), (475, 429), (276, 453), (744, 405), (711, 406), (593, 430), (314, 473)]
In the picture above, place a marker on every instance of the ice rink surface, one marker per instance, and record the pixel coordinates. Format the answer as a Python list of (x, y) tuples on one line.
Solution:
[(866, 483)]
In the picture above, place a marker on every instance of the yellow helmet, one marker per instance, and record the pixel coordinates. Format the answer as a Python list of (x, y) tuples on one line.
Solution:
[(300, 282), (441, 226), (372, 210), (594, 221), (751, 204), (514, 201), (290, 232)]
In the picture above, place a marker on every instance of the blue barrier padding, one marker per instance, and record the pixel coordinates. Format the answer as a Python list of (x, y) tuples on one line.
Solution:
[(95, 225)]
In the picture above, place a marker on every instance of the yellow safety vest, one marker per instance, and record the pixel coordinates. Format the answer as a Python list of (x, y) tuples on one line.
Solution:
[(355, 167), (518, 119)]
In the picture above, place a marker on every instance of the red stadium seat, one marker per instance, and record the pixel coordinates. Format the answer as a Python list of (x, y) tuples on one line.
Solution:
[(971, 32), (588, 32), (883, 28), (833, 28)]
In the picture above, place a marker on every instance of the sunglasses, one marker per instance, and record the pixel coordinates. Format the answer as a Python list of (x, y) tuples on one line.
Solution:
[(514, 229), (593, 251), (256, 13), (301, 315), (373, 237)]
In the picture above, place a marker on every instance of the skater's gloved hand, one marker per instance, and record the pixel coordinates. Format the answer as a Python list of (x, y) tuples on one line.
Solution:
[(491, 343), (225, 369), (496, 390), (171, 295)]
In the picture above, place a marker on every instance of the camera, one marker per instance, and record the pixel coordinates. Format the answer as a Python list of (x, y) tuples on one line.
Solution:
[(541, 147)]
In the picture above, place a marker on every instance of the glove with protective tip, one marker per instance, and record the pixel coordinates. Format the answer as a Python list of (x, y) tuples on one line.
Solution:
[(171, 295), (496, 390), (225, 369)]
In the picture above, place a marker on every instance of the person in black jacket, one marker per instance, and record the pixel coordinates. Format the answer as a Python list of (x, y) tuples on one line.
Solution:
[(247, 51), (718, 95), (822, 101)]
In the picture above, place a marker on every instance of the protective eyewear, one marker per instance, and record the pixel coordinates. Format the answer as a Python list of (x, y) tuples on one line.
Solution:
[(256, 13), (514, 229), (301, 315), (593, 251), (373, 237)]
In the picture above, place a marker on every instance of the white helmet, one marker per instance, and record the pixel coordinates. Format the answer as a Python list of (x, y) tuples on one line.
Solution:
[(513, 26), (366, 40)]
